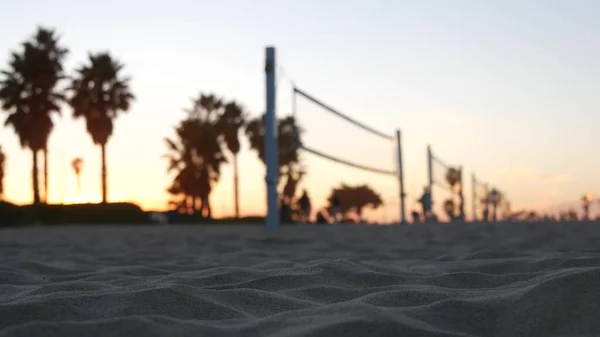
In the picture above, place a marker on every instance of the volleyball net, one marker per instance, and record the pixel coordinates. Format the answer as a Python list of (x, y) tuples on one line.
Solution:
[(488, 202), (445, 185), (480, 199), (335, 141)]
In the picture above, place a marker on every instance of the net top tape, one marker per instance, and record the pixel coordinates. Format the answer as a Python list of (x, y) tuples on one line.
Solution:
[(343, 116)]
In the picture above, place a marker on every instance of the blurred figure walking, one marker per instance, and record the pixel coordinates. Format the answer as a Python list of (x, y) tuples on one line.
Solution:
[(426, 204), (336, 208), (305, 207), (416, 216)]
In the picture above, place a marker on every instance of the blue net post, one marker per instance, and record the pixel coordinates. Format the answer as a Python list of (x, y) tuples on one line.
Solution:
[(401, 178), (271, 148)]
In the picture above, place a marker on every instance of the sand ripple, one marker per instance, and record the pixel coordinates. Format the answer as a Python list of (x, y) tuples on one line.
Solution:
[(445, 280)]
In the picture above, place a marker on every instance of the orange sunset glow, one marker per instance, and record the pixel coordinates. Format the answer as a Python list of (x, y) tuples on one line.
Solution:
[(529, 136)]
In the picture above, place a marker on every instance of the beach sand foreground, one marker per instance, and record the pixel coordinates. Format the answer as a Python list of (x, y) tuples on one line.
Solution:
[(339, 280)]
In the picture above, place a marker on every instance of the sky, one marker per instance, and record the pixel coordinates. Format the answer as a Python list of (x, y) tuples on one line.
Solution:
[(506, 89)]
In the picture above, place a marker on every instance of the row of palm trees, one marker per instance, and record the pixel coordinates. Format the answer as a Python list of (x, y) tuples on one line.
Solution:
[(35, 86), (454, 205), (212, 127)]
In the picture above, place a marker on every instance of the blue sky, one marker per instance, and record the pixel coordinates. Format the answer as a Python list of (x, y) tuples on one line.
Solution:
[(507, 89)]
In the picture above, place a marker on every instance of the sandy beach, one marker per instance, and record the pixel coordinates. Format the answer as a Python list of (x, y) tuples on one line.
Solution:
[(338, 280)]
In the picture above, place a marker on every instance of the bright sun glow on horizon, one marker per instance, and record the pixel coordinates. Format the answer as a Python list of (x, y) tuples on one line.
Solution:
[(506, 89)]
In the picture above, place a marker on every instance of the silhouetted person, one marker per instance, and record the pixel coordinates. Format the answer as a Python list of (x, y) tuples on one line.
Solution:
[(172, 216), (486, 214), (416, 216), (305, 207), (336, 208), (426, 203), (321, 220)]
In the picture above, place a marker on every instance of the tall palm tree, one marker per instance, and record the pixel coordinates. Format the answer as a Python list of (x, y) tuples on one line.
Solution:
[(184, 161), (77, 166), (495, 198), (30, 93), (196, 172), (99, 94), (231, 121), (47, 41), (206, 112), (586, 201), (2, 172), (453, 178), (196, 154)]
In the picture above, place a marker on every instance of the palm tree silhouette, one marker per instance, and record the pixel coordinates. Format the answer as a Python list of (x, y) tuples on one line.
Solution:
[(586, 201), (355, 198), (453, 178), (99, 95), (495, 198), (450, 209), (77, 165), (196, 154), (29, 93), (231, 121), (2, 172), (48, 42)]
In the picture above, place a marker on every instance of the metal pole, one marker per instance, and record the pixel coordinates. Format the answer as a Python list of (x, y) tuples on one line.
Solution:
[(401, 178), (297, 144), (474, 197), (271, 148), (461, 194), (487, 201), (430, 171)]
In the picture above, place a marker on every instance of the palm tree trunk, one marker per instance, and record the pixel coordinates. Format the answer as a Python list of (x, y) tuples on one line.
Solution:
[(208, 208), (45, 174), (586, 212), (190, 208), (236, 186), (104, 187), (36, 185), (202, 206), (197, 204)]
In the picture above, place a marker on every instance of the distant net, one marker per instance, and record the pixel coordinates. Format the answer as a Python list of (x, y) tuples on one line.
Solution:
[(337, 149), (481, 199), (489, 202), (446, 185), (354, 164), (361, 154), (504, 208)]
